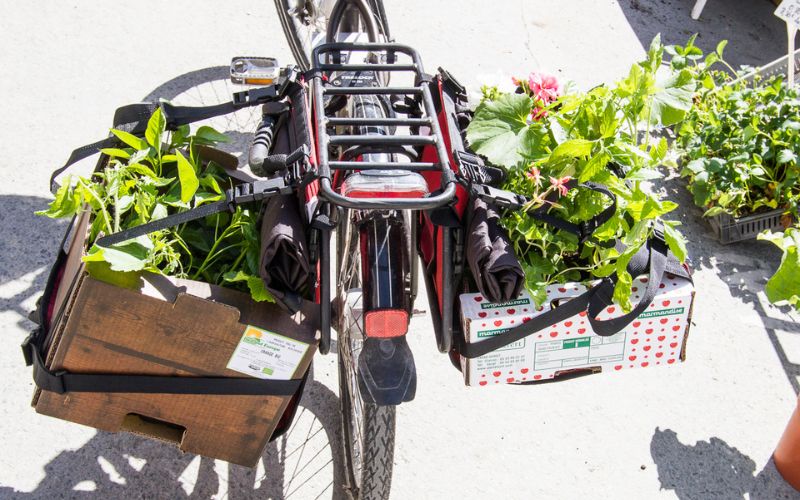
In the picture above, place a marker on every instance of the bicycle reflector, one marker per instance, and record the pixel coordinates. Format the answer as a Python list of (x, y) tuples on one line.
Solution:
[(385, 184), (254, 70), (386, 323)]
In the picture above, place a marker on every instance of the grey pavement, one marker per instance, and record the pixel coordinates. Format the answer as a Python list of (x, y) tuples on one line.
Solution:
[(702, 430)]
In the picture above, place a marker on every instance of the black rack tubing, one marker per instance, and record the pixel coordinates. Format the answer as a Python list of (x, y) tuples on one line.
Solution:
[(389, 165), (371, 90), (382, 140)]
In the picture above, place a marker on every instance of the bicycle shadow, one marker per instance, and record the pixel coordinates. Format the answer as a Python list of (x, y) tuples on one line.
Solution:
[(304, 463), (28, 247), (713, 469)]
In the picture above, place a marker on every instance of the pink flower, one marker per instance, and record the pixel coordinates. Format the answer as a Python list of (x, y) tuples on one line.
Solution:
[(561, 184), (544, 87), (534, 174), (516, 81)]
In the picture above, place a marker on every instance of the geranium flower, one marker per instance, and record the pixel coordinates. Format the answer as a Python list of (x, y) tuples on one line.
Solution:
[(561, 184), (534, 174), (544, 87)]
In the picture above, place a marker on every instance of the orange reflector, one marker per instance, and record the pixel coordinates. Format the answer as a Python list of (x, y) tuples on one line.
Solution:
[(258, 81), (386, 323)]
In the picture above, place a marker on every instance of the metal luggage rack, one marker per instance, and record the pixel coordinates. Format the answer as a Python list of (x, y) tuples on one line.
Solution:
[(323, 87)]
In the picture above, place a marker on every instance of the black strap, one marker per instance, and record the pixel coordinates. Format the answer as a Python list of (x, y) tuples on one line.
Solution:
[(131, 118), (64, 382), (574, 306), (242, 193), (654, 259), (512, 201)]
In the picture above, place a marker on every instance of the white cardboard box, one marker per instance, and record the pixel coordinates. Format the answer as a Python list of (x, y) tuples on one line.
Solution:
[(657, 337)]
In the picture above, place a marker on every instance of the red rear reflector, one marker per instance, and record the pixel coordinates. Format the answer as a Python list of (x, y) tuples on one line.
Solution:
[(386, 323)]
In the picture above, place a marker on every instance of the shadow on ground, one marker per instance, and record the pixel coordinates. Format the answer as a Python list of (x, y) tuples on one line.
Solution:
[(755, 35), (304, 463), (744, 266), (713, 469), (28, 247)]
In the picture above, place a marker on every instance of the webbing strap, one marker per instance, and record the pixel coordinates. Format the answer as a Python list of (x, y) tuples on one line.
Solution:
[(64, 382), (131, 118)]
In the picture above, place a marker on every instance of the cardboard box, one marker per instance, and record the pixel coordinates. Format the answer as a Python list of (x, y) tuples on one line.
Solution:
[(657, 337), (158, 325)]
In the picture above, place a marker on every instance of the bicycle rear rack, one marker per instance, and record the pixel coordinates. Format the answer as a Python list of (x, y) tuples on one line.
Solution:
[(322, 87)]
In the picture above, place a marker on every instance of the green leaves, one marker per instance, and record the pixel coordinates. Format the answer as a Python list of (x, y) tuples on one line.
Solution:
[(675, 240), (599, 136), (739, 146), (594, 166), (155, 129), (672, 99), (130, 139), (187, 176), (255, 284), (131, 255), (784, 285), (147, 179), (786, 156), (573, 148), (500, 128)]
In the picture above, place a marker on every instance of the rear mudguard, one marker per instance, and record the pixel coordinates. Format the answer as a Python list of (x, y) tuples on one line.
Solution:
[(386, 371)]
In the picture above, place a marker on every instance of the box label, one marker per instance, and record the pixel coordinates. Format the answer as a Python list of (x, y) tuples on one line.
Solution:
[(569, 353), (267, 355)]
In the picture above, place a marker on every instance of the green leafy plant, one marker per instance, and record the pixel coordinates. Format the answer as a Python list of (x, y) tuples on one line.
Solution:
[(784, 285), (602, 136), (149, 178), (739, 141)]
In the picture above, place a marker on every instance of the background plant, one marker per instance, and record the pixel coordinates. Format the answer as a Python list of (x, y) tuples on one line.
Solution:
[(739, 141), (147, 179), (602, 135), (784, 285)]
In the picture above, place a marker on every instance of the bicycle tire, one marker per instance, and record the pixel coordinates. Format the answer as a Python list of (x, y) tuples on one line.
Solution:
[(368, 458), (298, 43)]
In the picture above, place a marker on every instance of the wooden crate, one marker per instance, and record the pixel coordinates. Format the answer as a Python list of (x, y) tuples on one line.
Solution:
[(167, 326)]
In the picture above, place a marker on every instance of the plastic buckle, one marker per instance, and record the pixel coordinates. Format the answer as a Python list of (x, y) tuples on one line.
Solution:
[(499, 197), (255, 96), (27, 346)]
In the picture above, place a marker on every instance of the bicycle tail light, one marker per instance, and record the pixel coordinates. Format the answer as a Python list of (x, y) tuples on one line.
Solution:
[(254, 70), (385, 184)]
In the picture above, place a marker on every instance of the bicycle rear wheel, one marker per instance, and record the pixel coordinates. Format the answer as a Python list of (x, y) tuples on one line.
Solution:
[(368, 430), (305, 23)]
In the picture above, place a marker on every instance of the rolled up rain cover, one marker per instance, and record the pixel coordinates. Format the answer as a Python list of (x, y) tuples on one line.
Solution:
[(285, 265), (491, 258)]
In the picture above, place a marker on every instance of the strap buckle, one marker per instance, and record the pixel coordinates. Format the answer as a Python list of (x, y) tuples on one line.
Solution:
[(471, 167), (255, 96), (498, 197)]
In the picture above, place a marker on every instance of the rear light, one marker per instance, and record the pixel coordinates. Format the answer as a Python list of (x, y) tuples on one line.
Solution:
[(385, 184), (386, 323)]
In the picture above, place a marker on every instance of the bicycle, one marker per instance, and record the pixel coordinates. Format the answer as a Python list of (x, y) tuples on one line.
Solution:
[(376, 189)]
